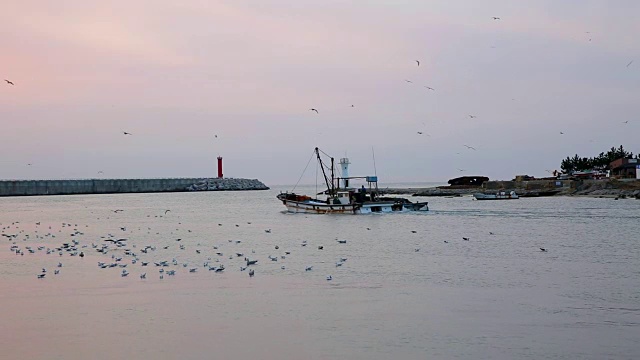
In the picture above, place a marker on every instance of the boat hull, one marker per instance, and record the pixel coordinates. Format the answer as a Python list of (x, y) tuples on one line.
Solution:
[(481, 196), (311, 207)]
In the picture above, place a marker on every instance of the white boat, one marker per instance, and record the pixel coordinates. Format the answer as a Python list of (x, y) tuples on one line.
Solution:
[(500, 195), (340, 199)]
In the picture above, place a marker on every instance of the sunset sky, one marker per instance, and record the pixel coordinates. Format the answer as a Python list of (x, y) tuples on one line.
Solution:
[(177, 73)]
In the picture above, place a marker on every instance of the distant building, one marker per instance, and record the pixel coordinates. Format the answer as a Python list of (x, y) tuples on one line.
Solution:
[(625, 168), (468, 181)]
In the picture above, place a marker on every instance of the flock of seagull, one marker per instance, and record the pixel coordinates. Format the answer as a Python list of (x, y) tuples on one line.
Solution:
[(121, 250), (418, 63), (124, 251)]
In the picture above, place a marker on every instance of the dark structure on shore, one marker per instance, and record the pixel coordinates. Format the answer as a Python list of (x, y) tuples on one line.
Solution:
[(468, 181), (624, 168)]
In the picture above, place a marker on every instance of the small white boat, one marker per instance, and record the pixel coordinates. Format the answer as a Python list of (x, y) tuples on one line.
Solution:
[(341, 199), (500, 195)]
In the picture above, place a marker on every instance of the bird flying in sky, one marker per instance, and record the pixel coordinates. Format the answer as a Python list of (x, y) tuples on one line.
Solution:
[(418, 61), (469, 147), (316, 110), (630, 62), (9, 82), (430, 88), (126, 133), (495, 18), (473, 116)]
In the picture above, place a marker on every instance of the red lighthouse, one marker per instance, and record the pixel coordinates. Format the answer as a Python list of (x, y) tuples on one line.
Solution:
[(220, 167)]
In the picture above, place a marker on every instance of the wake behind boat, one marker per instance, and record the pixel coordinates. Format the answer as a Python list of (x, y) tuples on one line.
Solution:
[(341, 199)]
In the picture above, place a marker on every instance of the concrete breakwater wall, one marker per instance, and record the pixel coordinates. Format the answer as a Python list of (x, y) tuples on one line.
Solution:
[(114, 186)]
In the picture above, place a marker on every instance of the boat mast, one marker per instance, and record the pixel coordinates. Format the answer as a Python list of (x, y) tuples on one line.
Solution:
[(330, 186)]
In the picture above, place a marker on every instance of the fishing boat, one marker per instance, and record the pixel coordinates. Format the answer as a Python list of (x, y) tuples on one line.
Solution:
[(500, 195), (339, 198)]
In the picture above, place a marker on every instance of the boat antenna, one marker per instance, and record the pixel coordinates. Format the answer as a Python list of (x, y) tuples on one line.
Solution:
[(375, 171), (303, 171)]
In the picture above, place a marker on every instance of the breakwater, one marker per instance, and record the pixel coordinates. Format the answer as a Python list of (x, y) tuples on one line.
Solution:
[(115, 186)]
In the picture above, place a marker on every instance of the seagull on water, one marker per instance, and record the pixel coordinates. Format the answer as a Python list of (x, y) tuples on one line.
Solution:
[(251, 273), (329, 278), (465, 238), (543, 249)]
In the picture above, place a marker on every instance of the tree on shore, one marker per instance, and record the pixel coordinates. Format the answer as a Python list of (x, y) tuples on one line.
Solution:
[(600, 162)]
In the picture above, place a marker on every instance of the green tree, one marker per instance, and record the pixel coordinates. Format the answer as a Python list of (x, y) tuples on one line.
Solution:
[(600, 162)]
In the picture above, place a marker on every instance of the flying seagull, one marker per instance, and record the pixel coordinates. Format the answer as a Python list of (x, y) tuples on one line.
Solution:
[(216, 136), (419, 132), (9, 82), (166, 211), (495, 18), (430, 88), (126, 133), (418, 61), (469, 147), (100, 172), (316, 110), (473, 116), (462, 170), (561, 133), (630, 62), (409, 81)]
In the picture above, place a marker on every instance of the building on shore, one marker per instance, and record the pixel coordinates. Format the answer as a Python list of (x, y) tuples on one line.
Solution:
[(625, 168), (476, 181)]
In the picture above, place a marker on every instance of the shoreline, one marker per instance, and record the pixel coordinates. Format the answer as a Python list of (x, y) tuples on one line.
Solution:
[(605, 188)]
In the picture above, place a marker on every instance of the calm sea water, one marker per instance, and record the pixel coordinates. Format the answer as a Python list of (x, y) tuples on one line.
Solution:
[(496, 296)]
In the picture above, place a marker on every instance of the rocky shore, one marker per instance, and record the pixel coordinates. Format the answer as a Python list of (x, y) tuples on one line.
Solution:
[(227, 184), (593, 188)]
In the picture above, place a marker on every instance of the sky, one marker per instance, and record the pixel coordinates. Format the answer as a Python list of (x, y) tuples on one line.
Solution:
[(175, 74)]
